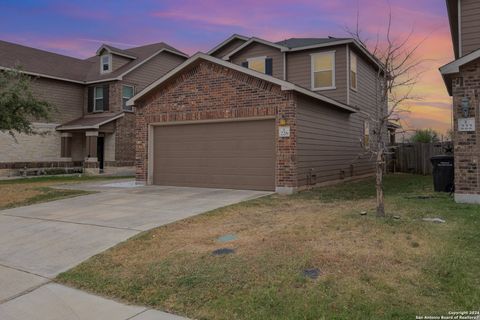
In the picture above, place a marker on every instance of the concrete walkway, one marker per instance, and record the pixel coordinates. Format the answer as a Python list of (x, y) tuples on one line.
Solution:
[(40, 241)]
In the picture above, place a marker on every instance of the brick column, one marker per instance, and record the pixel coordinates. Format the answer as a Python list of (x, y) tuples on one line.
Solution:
[(91, 161), (66, 145), (466, 88), (286, 166)]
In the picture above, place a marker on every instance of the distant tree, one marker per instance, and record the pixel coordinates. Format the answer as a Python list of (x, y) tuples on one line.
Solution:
[(18, 105), (425, 136)]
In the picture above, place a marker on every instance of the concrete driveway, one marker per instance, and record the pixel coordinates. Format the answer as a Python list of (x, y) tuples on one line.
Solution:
[(40, 241)]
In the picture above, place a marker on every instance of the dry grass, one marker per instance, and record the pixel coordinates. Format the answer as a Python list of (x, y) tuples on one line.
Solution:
[(370, 268), (27, 191)]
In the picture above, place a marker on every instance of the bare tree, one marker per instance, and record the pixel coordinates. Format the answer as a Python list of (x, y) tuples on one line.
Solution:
[(396, 77)]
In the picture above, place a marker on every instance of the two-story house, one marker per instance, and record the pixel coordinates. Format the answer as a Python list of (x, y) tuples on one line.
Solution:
[(255, 114), (91, 127), (462, 78)]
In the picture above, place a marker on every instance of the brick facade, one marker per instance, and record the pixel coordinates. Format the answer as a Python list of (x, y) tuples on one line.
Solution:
[(466, 144), (212, 92)]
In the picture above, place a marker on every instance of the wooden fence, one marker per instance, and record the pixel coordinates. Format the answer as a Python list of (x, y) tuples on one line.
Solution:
[(415, 157)]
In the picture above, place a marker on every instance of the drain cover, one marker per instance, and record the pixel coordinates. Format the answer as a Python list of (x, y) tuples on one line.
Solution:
[(227, 238), (222, 251), (312, 273)]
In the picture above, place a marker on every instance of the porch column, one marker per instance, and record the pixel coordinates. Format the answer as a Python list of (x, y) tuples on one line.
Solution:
[(66, 145), (91, 146), (91, 162)]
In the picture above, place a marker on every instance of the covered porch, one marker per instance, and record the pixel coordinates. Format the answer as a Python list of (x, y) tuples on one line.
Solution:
[(91, 140)]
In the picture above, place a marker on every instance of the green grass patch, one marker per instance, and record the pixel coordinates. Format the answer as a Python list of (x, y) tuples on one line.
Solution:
[(370, 268)]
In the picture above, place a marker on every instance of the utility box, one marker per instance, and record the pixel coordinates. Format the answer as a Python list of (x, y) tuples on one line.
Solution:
[(443, 173)]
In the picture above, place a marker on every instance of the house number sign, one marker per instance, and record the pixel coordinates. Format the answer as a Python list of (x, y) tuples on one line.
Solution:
[(466, 124), (284, 131)]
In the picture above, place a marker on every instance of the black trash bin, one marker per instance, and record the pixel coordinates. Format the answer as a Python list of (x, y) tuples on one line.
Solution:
[(443, 173)]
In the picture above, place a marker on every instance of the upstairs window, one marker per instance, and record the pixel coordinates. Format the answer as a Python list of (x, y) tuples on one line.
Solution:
[(353, 71), (105, 63), (127, 93), (98, 100), (260, 64), (366, 135), (323, 70)]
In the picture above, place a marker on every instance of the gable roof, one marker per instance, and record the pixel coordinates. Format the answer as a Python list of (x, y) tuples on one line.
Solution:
[(298, 44), (117, 51), (453, 18), (285, 86), (305, 42), (227, 41), (89, 122), (47, 64), (454, 67)]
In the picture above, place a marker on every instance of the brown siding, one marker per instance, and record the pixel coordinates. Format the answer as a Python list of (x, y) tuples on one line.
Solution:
[(153, 70), (232, 45), (470, 26), (328, 143), (259, 50), (66, 97), (119, 61), (366, 94), (299, 70)]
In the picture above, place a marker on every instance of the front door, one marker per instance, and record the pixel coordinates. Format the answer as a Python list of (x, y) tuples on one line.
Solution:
[(100, 152)]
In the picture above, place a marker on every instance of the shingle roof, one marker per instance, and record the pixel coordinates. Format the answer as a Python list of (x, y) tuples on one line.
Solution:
[(46, 63), (304, 42), (89, 122)]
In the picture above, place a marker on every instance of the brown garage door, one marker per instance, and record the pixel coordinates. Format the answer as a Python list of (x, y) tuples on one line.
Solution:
[(233, 155)]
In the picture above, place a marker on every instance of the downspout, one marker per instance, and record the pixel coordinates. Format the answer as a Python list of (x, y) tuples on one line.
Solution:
[(348, 73), (284, 66), (460, 53)]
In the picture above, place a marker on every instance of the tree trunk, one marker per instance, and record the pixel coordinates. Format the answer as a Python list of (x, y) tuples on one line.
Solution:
[(379, 183)]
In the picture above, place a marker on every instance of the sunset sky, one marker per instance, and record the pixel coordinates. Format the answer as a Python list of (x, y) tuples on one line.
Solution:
[(78, 28)]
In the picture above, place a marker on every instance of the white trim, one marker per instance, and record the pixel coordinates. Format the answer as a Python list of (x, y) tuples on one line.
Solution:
[(232, 37), (95, 99), (460, 51), (123, 97), (110, 63), (251, 40), (150, 153), (454, 66), (262, 58), (348, 70), (284, 66), (283, 84), (340, 42), (104, 47), (312, 71), (97, 126), (352, 54), (43, 75)]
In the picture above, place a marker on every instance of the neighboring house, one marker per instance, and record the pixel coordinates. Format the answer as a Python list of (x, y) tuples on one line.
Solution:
[(254, 114), (462, 78), (92, 127)]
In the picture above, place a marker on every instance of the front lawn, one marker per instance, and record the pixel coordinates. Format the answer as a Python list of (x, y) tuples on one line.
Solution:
[(368, 268), (26, 191)]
